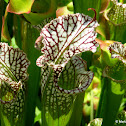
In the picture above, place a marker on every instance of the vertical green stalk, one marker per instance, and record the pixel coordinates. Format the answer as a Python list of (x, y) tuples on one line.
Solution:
[(99, 110), (82, 6), (121, 1), (29, 35), (17, 30), (110, 102), (113, 100), (1, 14), (92, 108), (25, 36), (76, 117)]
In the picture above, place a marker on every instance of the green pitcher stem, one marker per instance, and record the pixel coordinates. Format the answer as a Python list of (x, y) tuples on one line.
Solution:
[(109, 102), (92, 107), (98, 114)]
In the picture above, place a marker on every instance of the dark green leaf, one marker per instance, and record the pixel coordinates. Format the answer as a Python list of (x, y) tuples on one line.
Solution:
[(63, 2), (1, 14), (25, 36), (29, 35), (110, 101), (82, 6), (37, 16)]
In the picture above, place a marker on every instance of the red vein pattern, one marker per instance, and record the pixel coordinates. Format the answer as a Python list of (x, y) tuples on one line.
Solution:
[(15, 60), (81, 78), (59, 90), (13, 74), (118, 50), (63, 38), (63, 72), (67, 36)]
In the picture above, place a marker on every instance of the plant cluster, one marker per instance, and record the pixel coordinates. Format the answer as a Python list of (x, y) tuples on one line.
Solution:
[(62, 63)]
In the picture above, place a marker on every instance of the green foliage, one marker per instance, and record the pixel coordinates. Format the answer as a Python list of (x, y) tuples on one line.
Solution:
[(117, 21), (110, 102), (1, 14), (81, 6), (20, 7), (29, 35), (58, 102), (36, 16)]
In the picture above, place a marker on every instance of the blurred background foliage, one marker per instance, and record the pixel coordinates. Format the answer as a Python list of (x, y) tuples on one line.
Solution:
[(105, 99)]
